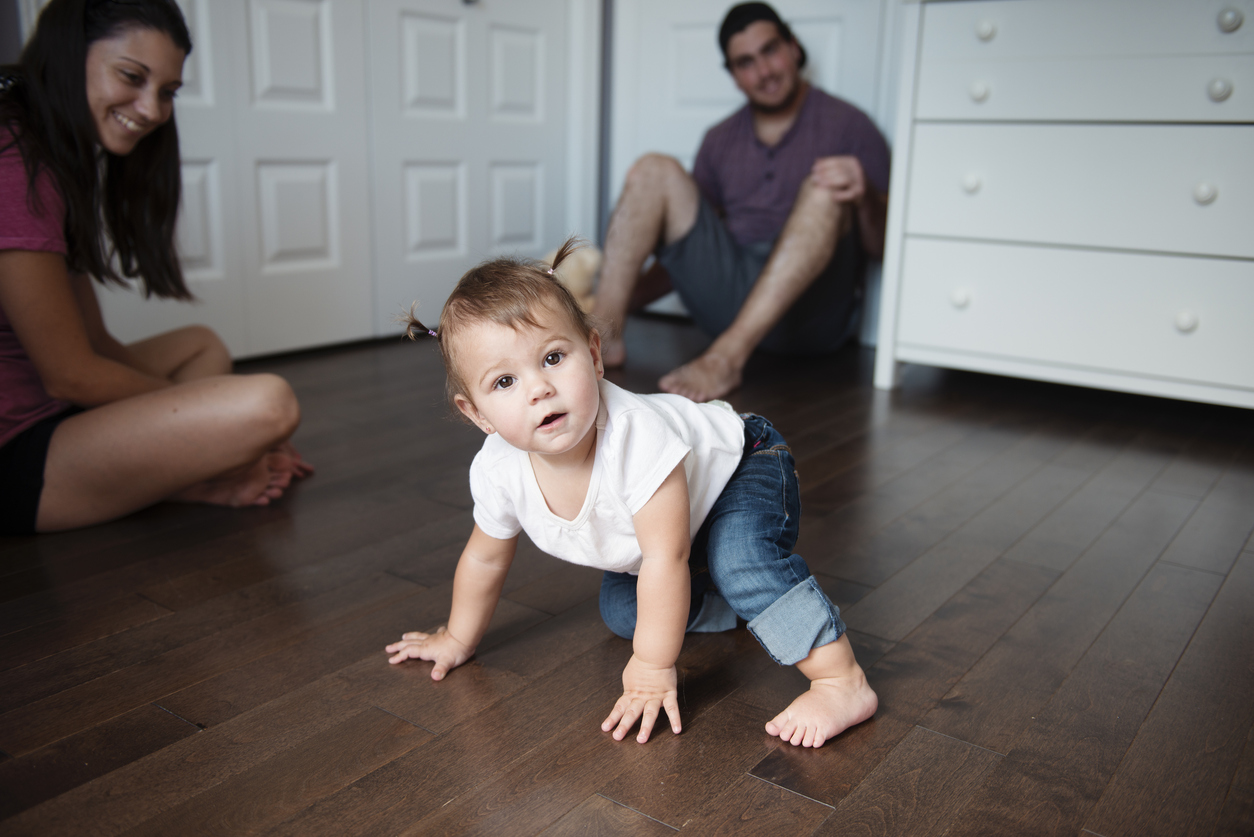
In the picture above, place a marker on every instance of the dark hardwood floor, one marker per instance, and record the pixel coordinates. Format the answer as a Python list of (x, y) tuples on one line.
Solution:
[(1051, 588)]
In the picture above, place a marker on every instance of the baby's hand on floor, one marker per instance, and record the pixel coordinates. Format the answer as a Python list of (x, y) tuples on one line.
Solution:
[(439, 647), (647, 690)]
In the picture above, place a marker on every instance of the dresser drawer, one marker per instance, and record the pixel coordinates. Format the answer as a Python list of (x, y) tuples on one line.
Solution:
[(1168, 188), (1164, 89), (1168, 317), (1010, 30), (1087, 61)]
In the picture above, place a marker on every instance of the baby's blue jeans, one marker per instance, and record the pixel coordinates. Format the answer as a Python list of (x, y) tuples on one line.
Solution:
[(742, 557)]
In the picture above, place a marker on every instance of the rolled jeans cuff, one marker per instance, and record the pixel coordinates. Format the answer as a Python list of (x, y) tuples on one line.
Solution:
[(798, 621)]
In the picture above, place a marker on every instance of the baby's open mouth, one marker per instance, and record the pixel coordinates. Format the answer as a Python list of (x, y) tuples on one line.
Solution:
[(550, 419)]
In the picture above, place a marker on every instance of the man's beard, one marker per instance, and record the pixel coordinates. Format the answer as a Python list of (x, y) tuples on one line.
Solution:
[(788, 101)]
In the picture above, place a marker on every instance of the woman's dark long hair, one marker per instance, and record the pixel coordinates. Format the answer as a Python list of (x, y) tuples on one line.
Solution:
[(122, 205)]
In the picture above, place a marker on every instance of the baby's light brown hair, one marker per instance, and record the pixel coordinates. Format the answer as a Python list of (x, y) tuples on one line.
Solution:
[(506, 291)]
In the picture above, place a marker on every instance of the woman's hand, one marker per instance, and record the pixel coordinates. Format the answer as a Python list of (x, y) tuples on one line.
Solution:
[(439, 647), (647, 690)]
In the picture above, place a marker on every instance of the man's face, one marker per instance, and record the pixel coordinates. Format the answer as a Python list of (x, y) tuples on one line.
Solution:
[(765, 66)]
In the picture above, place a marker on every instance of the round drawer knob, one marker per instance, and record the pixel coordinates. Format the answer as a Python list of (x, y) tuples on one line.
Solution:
[(1219, 89), (960, 297), (986, 29), (1186, 321), (1230, 20), (1205, 193), (971, 184), (980, 91)]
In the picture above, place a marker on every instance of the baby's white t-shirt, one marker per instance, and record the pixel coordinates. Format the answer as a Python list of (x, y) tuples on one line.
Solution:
[(640, 440)]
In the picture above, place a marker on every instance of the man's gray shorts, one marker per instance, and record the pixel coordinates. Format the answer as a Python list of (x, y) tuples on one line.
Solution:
[(714, 274)]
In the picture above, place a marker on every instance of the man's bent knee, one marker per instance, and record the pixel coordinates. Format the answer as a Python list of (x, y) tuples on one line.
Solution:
[(819, 202), (652, 168)]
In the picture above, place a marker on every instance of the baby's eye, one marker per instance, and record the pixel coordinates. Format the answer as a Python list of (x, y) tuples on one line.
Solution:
[(504, 382), (553, 358)]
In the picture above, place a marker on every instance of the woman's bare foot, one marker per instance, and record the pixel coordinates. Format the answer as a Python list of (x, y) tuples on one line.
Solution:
[(709, 376), (830, 707), (252, 485), (287, 458)]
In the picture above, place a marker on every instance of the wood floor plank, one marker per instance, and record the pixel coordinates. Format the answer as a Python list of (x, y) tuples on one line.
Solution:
[(1057, 769), (78, 627), (549, 781), (598, 815), (992, 703), (1175, 776), (1236, 818), (482, 745), (753, 808), (60, 767), (1220, 526), (566, 586), (37, 724), (988, 481), (130, 795), (91, 660), (909, 680), (917, 790), (677, 777), (293, 780), (1021, 491), (1058, 540), (239, 689)]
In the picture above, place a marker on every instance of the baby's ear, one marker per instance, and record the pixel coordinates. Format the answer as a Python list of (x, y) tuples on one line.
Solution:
[(469, 411), (594, 345)]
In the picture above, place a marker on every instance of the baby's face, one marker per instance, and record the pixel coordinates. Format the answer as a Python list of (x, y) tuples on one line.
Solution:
[(537, 387)]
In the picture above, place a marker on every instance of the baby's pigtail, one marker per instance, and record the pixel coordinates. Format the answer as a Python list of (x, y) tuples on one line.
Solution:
[(568, 247), (414, 327)]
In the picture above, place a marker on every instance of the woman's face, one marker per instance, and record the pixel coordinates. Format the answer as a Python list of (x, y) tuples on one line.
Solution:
[(131, 81)]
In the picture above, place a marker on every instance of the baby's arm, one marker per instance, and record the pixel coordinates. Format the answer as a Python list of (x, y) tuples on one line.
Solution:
[(477, 587), (662, 594)]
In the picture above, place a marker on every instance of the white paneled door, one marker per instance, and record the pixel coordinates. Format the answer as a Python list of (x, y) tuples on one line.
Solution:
[(469, 123), (274, 232)]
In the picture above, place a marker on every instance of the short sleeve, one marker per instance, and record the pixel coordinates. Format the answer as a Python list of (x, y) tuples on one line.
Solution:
[(704, 174), (22, 226), (494, 513), (646, 449)]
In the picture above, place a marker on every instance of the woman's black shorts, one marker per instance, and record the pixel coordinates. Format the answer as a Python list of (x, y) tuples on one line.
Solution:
[(22, 474)]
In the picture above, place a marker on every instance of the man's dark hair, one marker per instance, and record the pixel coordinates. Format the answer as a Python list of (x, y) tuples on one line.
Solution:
[(123, 206), (739, 18)]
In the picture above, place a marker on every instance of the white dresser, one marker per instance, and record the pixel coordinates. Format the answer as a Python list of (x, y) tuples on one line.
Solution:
[(1073, 195)]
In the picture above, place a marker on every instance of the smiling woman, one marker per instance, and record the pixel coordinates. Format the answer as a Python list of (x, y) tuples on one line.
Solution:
[(91, 429)]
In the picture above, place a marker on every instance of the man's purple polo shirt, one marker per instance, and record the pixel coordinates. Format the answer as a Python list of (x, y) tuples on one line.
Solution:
[(755, 186)]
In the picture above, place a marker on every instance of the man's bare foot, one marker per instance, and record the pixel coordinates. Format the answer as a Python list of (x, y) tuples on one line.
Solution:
[(830, 707), (709, 376), (613, 352)]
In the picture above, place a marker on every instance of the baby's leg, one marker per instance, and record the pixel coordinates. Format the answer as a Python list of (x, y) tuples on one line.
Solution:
[(839, 697), (751, 533)]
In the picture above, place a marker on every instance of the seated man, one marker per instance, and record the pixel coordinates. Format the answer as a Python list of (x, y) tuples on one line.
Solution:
[(767, 240)]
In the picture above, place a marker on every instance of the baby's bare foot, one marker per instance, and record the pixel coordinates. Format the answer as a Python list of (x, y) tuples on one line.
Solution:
[(709, 376), (831, 706)]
